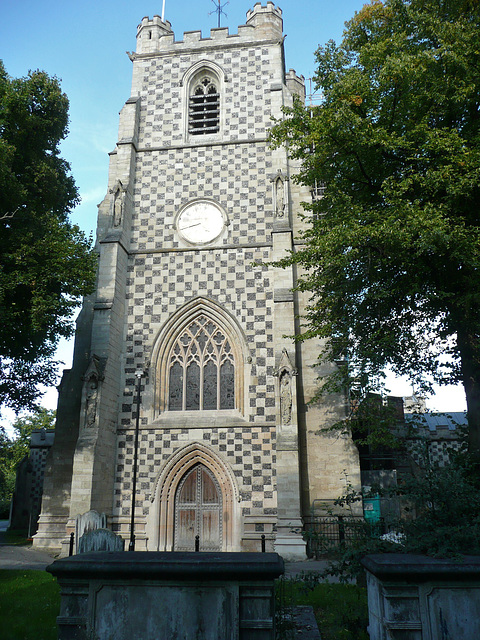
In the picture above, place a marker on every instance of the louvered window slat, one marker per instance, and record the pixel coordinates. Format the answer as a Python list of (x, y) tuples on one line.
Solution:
[(204, 108)]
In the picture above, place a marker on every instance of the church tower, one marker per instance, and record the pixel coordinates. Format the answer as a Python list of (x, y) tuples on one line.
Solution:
[(197, 208)]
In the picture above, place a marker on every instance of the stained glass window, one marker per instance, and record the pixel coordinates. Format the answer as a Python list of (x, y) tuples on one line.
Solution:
[(201, 369)]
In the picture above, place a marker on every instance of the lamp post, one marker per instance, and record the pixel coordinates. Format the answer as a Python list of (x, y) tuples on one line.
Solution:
[(131, 546)]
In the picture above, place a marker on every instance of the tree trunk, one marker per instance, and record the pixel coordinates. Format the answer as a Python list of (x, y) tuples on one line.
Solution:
[(469, 348)]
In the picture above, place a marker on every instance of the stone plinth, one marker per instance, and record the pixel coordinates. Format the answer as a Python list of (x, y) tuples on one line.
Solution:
[(419, 598), (167, 595)]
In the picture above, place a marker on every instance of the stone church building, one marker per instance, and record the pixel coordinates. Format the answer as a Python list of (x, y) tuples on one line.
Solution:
[(197, 207)]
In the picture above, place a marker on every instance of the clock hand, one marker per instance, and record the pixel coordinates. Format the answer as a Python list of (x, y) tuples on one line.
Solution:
[(189, 226)]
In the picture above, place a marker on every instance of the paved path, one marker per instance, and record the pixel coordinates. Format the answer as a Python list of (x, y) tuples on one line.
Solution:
[(293, 569), (24, 557), (14, 557), (21, 557)]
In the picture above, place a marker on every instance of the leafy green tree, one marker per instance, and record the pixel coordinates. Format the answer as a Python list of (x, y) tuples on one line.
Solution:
[(440, 516), (7, 477), (46, 263), (23, 426), (13, 450), (391, 254)]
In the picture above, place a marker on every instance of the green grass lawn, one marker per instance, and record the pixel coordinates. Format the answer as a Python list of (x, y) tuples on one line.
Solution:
[(29, 605), (341, 610)]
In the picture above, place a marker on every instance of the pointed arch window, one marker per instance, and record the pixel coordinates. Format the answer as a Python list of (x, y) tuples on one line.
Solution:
[(204, 106), (201, 369)]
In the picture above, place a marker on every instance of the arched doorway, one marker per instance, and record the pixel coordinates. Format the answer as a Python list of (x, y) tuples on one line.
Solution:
[(198, 511), (163, 517)]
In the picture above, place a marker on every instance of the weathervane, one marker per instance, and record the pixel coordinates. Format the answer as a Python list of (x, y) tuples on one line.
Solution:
[(219, 10)]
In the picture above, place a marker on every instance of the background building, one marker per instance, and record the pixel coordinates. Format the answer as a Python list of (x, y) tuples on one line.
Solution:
[(27, 497)]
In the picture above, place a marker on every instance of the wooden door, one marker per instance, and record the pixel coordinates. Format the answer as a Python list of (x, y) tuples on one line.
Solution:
[(198, 511)]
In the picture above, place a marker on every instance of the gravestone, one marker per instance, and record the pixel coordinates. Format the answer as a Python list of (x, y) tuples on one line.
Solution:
[(88, 521), (100, 540)]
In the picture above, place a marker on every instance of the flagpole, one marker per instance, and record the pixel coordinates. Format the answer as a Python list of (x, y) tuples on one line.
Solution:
[(163, 11)]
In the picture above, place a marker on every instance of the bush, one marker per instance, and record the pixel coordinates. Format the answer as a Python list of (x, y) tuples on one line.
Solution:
[(440, 518)]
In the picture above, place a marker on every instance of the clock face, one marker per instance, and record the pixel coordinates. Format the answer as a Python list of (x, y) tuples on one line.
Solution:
[(200, 222)]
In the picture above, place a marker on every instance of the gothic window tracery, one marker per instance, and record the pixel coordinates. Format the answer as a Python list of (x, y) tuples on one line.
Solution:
[(201, 369), (204, 106)]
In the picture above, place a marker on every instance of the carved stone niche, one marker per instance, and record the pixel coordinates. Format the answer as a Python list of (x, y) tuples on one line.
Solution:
[(91, 392), (280, 194), (287, 389), (117, 203)]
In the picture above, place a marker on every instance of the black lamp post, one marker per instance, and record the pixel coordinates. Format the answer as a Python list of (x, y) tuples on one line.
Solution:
[(131, 546)]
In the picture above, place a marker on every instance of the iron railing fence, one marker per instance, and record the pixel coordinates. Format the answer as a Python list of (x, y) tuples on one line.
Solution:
[(323, 533)]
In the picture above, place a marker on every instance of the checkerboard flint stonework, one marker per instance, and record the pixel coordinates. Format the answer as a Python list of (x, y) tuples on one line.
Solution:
[(262, 461)]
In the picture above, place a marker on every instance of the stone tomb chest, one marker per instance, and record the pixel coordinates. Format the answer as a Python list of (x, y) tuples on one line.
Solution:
[(414, 597), (167, 595)]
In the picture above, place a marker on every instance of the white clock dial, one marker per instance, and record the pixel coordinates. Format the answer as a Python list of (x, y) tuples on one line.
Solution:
[(200, 222)]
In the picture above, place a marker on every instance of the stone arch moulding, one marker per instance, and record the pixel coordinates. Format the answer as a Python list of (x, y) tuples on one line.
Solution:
[(171, 331), (161, 524), (203, 65)]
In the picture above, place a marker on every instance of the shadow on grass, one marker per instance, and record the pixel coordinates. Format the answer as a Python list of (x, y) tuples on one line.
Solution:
[(14, 538), (29, 605)]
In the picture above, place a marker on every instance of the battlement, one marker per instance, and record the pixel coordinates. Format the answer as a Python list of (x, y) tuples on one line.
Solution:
[(156, 36), (156, 21), (293, 75), (269, 9), (266, 20), (296, 84), (149, 33)]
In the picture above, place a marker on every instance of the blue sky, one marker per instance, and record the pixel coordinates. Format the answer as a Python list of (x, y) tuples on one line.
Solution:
[(84, 44)]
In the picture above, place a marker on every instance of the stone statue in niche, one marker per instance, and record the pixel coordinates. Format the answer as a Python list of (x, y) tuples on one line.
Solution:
[(279, 197), (91, 402), (117, 208), (286, 397)]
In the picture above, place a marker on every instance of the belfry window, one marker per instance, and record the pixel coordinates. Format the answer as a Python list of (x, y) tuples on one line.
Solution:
[(201, 369), (204, 107)]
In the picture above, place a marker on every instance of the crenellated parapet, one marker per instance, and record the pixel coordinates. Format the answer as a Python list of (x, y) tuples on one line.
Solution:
[(156, 36), (266, 20), (150, 32), (295, 84)]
